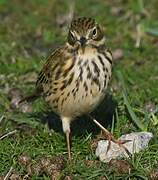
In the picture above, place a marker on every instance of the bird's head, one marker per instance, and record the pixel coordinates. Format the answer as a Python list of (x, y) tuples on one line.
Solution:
[(85, 32)]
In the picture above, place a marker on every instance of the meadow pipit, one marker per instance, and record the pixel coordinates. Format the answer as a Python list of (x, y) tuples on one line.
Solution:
[(75, 77)]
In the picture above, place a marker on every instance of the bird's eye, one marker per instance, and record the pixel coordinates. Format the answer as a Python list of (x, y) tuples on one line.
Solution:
[(94, 32)]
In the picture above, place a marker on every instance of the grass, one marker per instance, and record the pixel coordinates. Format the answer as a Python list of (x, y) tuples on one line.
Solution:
[(28, 32)]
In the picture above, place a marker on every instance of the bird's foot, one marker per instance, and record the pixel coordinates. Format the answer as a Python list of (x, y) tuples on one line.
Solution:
[(120, 143), (110, 137)]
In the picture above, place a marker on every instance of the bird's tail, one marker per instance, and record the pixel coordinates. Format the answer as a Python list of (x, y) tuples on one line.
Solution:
[(31, 97)]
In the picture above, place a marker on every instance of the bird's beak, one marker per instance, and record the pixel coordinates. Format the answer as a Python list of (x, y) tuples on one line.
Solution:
[(83, 41)]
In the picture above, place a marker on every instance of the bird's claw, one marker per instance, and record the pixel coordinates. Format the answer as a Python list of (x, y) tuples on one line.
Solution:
[(117, 141)]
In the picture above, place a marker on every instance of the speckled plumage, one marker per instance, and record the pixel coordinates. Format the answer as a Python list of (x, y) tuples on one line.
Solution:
[(81, 80), (72, 77), (75, 77)]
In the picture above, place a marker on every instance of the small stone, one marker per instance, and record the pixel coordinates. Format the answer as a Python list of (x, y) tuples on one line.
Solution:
[(136, 142), (117, 54)]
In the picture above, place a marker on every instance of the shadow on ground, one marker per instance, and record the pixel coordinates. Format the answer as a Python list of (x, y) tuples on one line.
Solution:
[(103, 114)]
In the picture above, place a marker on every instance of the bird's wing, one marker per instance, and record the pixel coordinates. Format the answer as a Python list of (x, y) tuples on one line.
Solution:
[(54, 62), (48, 72)]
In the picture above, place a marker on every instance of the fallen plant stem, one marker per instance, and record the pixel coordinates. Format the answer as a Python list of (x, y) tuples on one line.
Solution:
[(8, 173), (8, 134)]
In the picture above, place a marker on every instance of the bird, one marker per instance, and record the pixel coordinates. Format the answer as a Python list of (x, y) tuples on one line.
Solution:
[(75, 76)]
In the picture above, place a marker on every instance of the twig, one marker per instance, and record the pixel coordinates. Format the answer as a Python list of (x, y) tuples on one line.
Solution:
[(9, 173), (8, 134)]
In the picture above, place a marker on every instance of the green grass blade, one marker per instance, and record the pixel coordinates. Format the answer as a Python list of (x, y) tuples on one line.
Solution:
[(134, 117), (153, 32)]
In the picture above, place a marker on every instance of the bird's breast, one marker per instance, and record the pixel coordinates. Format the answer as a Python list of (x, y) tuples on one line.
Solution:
[(84, 85)]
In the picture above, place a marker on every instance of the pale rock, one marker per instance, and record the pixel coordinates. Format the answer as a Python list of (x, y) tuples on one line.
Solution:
[(138, 141)]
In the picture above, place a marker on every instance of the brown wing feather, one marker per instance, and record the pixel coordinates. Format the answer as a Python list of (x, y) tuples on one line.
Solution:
[(48, 71), (54, 61)]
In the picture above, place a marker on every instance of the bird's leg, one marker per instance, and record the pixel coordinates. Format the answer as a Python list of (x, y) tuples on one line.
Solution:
[(66, 129), (110, 137), (68, 144)]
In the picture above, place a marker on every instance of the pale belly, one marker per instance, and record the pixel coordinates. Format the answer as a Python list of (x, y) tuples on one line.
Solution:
[(82, 101)]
